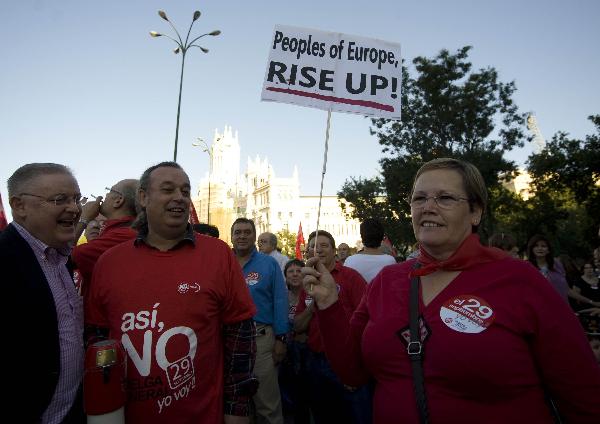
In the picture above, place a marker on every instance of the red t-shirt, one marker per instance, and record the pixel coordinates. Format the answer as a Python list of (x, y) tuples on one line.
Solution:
[(495, 337), (351, 287), (168, 308), (116, 231)]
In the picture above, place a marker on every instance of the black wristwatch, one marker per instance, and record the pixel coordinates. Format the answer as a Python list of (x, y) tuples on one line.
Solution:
[(281, 337)]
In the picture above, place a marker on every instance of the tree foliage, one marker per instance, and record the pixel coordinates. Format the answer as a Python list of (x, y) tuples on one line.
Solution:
[(286, 241), (448, 110), (566, 177)]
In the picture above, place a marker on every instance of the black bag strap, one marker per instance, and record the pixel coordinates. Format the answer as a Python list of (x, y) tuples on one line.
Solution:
[(415, 353), (415, 349)]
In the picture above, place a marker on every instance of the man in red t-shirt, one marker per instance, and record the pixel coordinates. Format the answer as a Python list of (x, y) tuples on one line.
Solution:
[(180, 306), (331, 401), (118, 207)]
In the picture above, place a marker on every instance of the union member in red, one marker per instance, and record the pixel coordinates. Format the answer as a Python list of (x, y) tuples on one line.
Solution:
[(330, 400), (497, 340), (118, 206), (178, 303)]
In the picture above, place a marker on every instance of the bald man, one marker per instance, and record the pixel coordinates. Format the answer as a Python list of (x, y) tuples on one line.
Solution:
[(267, 244), (118, 206)]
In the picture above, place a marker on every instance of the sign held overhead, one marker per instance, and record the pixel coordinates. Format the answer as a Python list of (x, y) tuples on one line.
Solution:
[(334, 71)]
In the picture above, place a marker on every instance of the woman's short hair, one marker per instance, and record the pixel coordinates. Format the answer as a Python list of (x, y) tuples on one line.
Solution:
[(291, 262), (473, 181)]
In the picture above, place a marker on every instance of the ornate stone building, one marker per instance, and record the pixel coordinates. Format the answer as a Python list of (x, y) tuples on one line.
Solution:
[(272, 202)]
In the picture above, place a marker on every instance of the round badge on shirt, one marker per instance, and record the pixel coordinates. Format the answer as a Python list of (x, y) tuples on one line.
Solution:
[(467, 314), (252, 278)]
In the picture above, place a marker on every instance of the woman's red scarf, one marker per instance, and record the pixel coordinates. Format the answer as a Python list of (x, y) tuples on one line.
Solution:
[(468, 254)]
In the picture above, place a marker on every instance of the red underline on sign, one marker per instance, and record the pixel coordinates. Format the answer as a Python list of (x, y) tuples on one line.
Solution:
[(365, 103)]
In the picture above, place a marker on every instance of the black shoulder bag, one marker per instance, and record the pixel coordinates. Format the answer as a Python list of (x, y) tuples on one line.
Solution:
[(415, 353), (415, 350)]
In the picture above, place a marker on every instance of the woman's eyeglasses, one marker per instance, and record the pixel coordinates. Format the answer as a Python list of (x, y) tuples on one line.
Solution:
[(444, 201)]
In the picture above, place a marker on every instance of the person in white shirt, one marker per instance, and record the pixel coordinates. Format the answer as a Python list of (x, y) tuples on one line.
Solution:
[(370, 260)]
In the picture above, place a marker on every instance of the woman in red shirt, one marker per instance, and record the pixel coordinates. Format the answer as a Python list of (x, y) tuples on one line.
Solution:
[(497, 339)]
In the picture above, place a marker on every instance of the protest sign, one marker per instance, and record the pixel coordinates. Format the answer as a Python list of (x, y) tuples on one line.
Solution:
[(334, 71)]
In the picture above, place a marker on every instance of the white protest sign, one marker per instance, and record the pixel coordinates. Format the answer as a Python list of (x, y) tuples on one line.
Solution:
[(333, 71)]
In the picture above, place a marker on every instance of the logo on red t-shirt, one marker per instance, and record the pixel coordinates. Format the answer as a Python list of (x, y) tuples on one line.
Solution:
[(184, 288)]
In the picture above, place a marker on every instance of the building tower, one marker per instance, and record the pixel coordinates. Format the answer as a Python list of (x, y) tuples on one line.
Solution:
[(539, 142)]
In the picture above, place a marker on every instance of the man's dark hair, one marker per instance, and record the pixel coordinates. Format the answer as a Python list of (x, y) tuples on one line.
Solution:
[(371, 232), (145, 178), (243, 221), (206, 229), (322, 233)]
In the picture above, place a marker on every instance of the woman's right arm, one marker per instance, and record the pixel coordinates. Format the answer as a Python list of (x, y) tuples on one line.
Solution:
[(342, 337), (340, 334)]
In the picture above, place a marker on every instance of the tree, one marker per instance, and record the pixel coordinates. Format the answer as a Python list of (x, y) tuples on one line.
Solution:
[(566, 174), (286, 240), (448, 110)]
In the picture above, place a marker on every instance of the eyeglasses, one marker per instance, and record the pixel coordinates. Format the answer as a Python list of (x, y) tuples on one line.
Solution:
[(59, 199), (444, 201), (112, 189)]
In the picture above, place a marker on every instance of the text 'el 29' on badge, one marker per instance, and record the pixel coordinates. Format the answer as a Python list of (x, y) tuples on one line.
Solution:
[(467, 314)]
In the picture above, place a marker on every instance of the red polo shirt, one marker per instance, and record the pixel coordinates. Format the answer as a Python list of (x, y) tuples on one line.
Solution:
[(115, 231), (351, 286)]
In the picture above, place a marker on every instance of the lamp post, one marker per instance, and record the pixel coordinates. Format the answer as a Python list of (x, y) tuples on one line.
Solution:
[(208, 150), (183, 48)]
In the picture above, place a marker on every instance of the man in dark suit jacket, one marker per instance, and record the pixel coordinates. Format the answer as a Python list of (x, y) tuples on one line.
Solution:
[(42, 313)]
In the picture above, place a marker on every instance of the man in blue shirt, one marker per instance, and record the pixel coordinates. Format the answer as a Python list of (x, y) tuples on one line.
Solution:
[(269, 292)]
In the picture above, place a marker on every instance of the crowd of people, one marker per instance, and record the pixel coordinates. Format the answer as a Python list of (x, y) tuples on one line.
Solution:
[(458, 332)]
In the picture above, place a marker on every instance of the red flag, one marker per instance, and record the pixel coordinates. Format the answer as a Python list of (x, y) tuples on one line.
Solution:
[(299, 242), (193, 214), (3, 222)]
